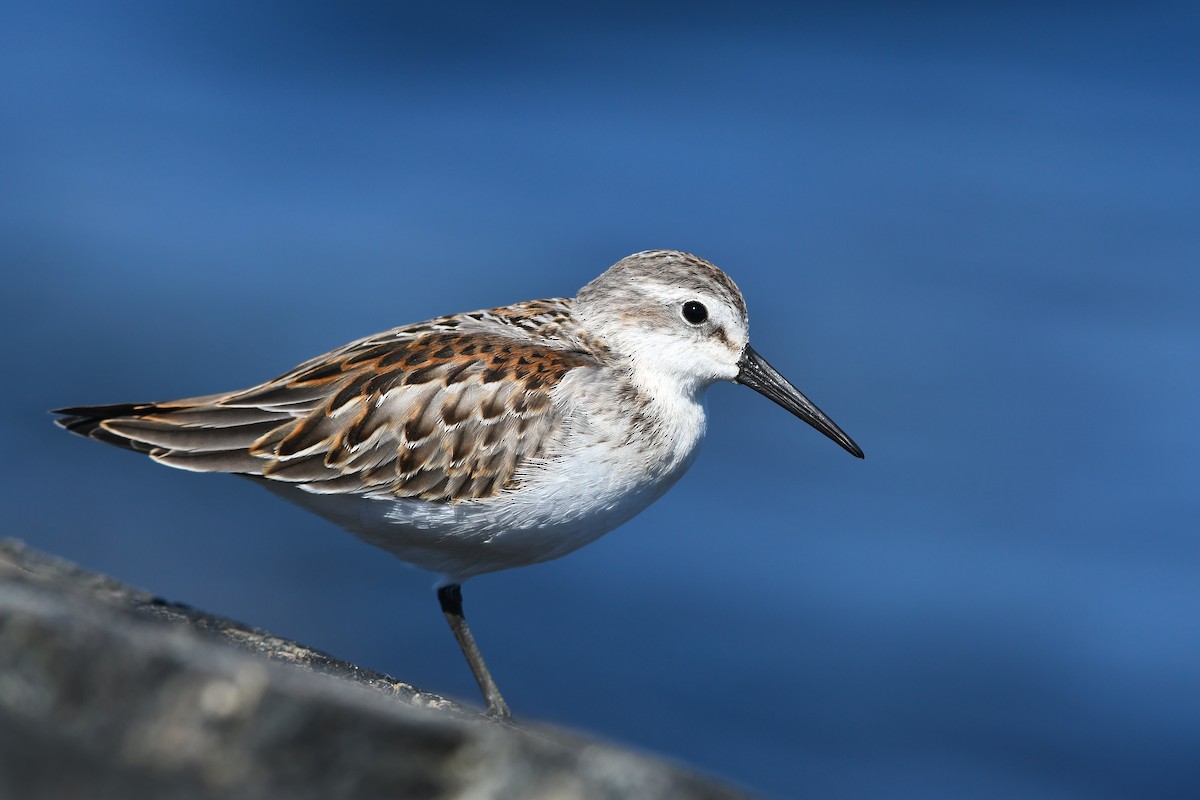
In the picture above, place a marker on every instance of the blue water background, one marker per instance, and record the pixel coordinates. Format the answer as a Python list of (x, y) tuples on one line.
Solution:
[(970, 232)]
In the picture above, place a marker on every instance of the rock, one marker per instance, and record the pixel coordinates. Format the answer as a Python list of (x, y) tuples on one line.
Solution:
[(109, 692)]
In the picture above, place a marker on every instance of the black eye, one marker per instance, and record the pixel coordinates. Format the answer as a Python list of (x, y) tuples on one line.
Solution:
[(695, 312)]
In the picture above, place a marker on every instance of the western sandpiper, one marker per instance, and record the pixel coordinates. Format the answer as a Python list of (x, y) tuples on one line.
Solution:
[(488, 440)]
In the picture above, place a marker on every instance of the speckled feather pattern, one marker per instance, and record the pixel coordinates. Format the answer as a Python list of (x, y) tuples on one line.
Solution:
[(443, 410)]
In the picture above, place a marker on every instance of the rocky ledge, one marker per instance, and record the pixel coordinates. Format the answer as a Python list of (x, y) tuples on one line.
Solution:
[(109, 692)]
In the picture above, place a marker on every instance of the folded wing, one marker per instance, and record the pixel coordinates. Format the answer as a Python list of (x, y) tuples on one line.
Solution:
[(441, 415)]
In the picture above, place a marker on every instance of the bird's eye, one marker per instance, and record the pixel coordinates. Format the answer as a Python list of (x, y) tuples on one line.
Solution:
[(694, 312)]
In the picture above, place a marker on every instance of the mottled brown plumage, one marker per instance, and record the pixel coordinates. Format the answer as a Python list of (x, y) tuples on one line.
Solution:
[(444, 411)]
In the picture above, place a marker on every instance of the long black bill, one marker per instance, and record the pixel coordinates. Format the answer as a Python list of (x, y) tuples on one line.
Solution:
[(755, 372)]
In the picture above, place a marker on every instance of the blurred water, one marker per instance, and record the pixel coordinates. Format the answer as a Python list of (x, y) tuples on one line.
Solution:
[(969, 234)]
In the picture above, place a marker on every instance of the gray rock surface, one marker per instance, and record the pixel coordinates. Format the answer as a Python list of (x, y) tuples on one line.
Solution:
[(109, 692)]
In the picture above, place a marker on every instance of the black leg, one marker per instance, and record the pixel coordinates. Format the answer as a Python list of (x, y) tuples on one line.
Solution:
[(450, 596)]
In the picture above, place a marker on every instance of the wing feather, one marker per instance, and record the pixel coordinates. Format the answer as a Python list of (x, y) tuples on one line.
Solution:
[(443, 411)]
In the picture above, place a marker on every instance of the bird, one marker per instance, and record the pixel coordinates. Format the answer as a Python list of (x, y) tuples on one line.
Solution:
[(486, 440)]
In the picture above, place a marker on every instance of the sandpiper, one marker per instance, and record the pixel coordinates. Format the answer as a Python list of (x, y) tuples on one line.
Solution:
[(487, 440)]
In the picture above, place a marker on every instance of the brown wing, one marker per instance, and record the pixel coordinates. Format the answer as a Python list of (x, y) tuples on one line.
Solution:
[(441, 415)]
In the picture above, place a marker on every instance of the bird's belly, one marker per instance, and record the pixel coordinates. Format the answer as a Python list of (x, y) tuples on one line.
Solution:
[(555, 511)]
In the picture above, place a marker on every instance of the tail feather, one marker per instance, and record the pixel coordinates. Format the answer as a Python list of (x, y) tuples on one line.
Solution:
[(89, 421), (180, 429)]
